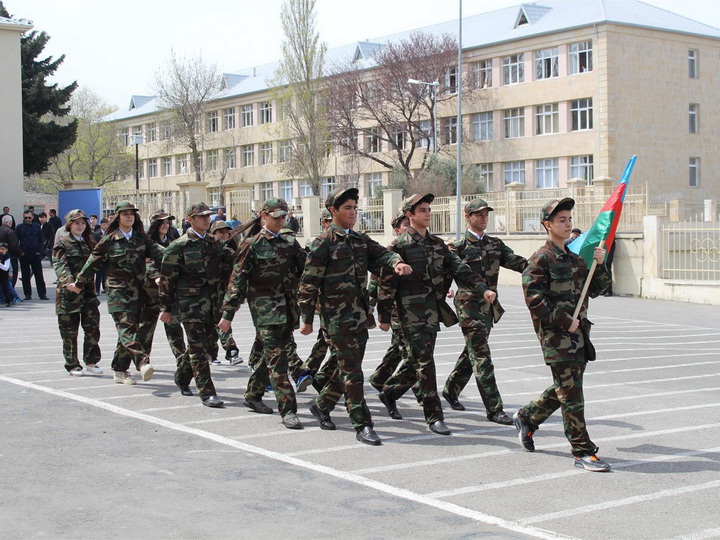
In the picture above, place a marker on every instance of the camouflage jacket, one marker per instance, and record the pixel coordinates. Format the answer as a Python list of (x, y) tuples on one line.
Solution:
[(68, 257), (193, 272), (420, 297), (266, 273), (553, 282), (124, 268), (485, 256), (336, 276)]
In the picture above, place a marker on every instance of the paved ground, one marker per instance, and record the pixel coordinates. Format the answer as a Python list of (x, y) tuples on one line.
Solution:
[(83, 457)]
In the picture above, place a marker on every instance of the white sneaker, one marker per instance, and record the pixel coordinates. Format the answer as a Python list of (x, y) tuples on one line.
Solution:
[(123, 377), (93, 370), (215, 362), (147, 372), (235, 359), (77, 372)]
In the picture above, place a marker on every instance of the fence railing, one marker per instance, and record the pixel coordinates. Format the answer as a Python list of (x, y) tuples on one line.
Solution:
[(371, 217), (173, 202), (690, 251)]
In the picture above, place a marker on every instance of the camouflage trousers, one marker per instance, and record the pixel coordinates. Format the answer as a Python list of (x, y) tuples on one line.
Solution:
[(273, 368), (566, 393), (226, 341), (69, 324), (420, 369), (318, 353), (295, 364), (476, 359), (395, 354), (347, 378), (129, 349), (194, 361), (173, 331)]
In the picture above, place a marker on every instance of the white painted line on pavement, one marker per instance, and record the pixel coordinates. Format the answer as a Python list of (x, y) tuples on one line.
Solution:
[(322, 469), (700, 535), (620, 502)]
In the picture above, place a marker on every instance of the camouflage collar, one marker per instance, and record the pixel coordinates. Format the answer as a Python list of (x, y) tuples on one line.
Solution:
[(192, 235), (559, 252), (341, 232), (417, 237), (469, 235)]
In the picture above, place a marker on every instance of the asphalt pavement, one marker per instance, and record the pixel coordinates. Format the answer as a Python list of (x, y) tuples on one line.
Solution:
[(87, 458)]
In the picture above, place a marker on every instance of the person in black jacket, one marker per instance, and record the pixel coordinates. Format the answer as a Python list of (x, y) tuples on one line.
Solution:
[(48, 235)]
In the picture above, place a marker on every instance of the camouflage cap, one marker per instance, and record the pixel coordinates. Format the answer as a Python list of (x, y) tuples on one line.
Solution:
[(397, 219), (275, 207), (72, 215), (338, 196), (197, 209), (555, 205), (416, 198), (219, 226), (326, 215), (160, 215), (476, 205), (125, 205)]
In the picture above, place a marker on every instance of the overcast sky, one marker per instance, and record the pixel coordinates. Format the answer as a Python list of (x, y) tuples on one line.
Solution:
[(114, 47)]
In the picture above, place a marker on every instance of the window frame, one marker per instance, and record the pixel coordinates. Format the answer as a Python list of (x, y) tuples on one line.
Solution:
[(514, 168), (576, 52), (580, 169), (545, 116), (248, 155), (514, 62), (694, 172), (547, 63), (514, 124), (266, 153), (581, 109), (483, 126), (229, 119), (213, 122), (482, 74), (542, 168), (265, 112)]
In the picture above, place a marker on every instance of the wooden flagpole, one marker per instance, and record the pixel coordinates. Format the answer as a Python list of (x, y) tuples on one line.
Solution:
[(587, 283)]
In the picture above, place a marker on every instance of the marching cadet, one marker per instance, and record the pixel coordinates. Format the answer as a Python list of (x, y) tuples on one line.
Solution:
[(221, 232), (335, 276), (485, 255), (123, 251), (192, 270), (553, 282), (421, 306), (71, 250), (266, 273)]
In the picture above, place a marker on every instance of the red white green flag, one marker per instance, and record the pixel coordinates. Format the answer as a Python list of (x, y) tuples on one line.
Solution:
[(605, 225)]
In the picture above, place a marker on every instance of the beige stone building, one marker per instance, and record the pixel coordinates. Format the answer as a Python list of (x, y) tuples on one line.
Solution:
[(11, 137), (561, 90)]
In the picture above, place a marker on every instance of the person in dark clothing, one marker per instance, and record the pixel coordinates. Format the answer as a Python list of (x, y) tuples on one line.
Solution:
[(7, 235), (29, 236), (100, 274), (4, 274), (6, 212), (292, 223), (48, 235), (54, 220), (36, 217)]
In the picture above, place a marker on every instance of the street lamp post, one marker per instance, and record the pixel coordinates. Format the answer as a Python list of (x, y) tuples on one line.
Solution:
[(137, 141), (434, 85)]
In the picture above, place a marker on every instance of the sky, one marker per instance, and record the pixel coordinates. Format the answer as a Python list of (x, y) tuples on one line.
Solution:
[(115, 47)]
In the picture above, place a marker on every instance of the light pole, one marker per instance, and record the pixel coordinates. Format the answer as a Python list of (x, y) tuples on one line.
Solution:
[(137, 141), (458, 189), (434, 85)]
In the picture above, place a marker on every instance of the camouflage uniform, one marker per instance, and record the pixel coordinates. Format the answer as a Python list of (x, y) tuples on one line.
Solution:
[(485, 256), (553, 281), (192, 271), (421, 306), (75, 310), (266, 273), (125, 270), (336, 276), (226, 338)]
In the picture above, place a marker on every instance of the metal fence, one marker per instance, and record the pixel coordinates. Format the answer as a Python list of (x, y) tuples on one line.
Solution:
[(690, 251), (371, 217), (239, 204), (173, 202)]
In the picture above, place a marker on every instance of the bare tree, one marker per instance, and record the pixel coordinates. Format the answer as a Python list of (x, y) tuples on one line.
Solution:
[(184, 87), (300, 94), (376, 108)]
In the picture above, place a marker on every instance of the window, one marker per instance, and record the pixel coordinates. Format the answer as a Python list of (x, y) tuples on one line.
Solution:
[(513, 69), (328, 184), (514, 123), (284, 151), (164, 132), (151, 132), (486, 175), (515, 172), (581, 57), (449, 130), (229, 118), (372, 141), (482, 126), (581, 114), (426, 134), (166, 166), (152, 168), (266, 191), (137, 130), (199, 163), (247, 115), (125, 136), (398, 137), (213, 123), (482, 74), (182, 164), (547, 173), (547, 119), (286, 191), (248, 155), (266, 153), (265, 112), (692, 63), (451, 80), (374, 181), (582, 167), (212, 160), (230, 158), (693, 117), (694, 171), (305, 189), (546, 63)]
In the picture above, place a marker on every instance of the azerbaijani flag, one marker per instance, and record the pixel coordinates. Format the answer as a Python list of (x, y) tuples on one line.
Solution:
[(605, 225)]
